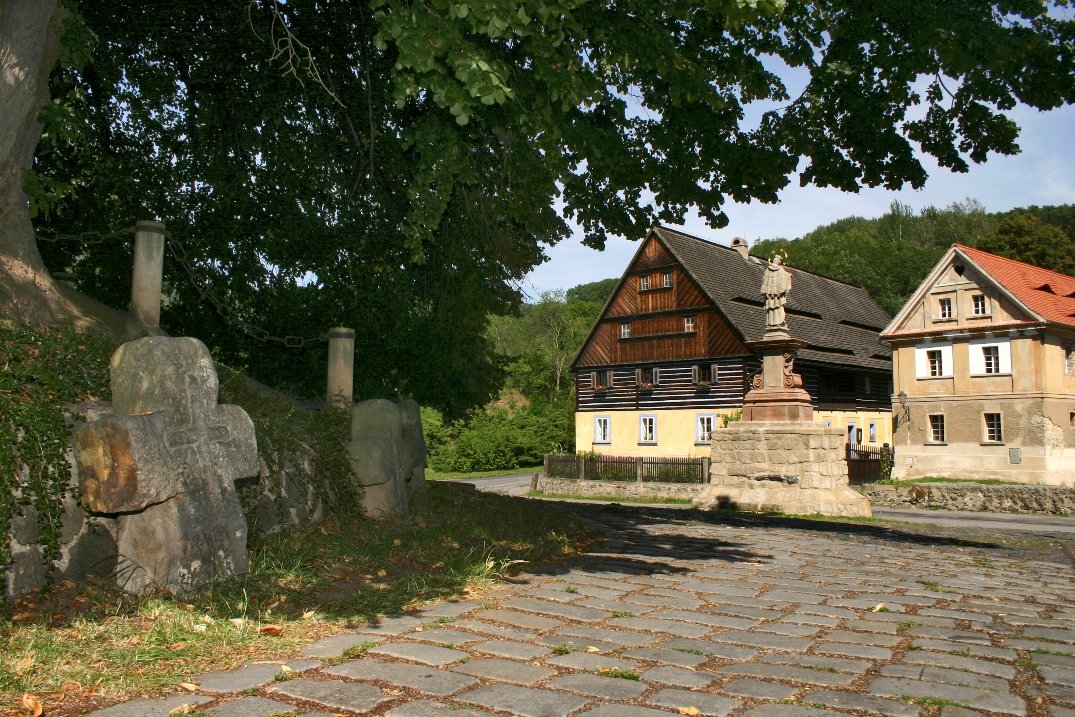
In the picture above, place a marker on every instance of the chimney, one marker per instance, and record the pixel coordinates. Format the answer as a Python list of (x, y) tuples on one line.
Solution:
[(740, 245)]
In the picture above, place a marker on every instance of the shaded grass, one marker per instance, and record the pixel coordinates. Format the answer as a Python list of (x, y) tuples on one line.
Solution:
[(84, 642), (524, 470)]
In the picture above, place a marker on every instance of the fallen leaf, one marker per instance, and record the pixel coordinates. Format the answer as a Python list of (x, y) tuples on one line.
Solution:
[(689, 711), (274, 630), (189, 686), (286, 670), (382, 573), (33, 703), (308, 614), (878, 607), (591, 648)]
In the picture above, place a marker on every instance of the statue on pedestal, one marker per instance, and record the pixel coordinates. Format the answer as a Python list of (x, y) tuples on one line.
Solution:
[(775, 286)]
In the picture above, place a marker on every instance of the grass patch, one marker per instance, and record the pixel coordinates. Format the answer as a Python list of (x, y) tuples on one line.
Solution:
[(959, 653), (303, 584), (622, 613), (905, 627), (446, 475), (563, 650), (617, 673), (612, 499), (929, 701), (822, 668), (930, 585)]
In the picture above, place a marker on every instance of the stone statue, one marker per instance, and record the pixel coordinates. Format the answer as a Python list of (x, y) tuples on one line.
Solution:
[(776, 285)]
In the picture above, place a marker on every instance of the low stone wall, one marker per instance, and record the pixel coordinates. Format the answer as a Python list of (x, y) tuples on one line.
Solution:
[(619, 489), (1053, 500)]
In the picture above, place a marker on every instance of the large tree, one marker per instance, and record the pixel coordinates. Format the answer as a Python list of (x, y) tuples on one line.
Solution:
[(394, 165)]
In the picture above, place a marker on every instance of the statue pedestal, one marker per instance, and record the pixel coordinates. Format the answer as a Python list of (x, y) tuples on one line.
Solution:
[(795, 467), (777, 393)]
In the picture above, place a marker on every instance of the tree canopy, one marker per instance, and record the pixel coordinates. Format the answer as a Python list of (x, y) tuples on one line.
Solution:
[(394, 165)]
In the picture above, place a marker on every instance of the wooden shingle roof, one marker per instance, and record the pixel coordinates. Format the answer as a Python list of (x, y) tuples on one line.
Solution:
[(840, 322)]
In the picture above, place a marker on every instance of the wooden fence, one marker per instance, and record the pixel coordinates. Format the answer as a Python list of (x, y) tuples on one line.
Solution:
[(868, 464), (627, 468)]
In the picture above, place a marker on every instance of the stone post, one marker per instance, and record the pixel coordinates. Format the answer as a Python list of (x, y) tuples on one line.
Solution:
[(341, 366), (146, 275)]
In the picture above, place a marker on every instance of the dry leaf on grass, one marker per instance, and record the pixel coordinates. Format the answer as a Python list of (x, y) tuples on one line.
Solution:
[(274, 630), (189, 686), (33, 704)]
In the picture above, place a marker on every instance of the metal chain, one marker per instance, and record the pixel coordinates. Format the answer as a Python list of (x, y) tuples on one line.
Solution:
[(226, 311), (205, 292)]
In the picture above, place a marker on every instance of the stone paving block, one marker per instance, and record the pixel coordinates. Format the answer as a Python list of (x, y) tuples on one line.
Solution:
[(447, 608), (252, 707), (1060, 711), (591, 661), (1055, 660), (1051, 634), (710, 705), (763, 640), (805, 618), (597, 592), (514, 618), (336, 645), (684, 602), (556, 594), (620, 605), (429, 708), (669, 657), (956, 614), (703, 618), (950, 711), (940, 633), (431, 680), (998, 653), (442, 636), (860, 604), (525, 701), (907, 599), (1031, 645), (827, 611), (863, 638), (792, 673), (759, 689), (151, 708), (868, 651), (392, 625), (576, 643), (717, 588), (619, 638), (967, 696), (623, 711), (928, 620), (823, 662), (887, 628), (334, 694), (671, 627), (709, 648), (511, 649), (747, 611), (609, 688), (238, 680), (417, 652), (855, 701), (493, 668), (958, 662), (547, 607), (576, 576), (677, 676), (1052, 675), (489, 628), (795, 597), (786, 628), (945, 676)]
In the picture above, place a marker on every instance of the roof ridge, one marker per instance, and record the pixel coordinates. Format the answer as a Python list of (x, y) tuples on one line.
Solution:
[(1009, 260)]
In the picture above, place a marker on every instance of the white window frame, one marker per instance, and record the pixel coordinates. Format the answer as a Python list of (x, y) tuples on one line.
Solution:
[(922, 364), (625, 330), (702, 436), (604, 422), (666, 279), (944, 308), (688, 324), (935, 359), (938, 431), (992, 433), (979, 305), (976, 356), (643, 283), (647, 429), (873, 432)]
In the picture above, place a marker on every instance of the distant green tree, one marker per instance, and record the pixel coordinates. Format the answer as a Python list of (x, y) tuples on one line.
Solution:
[(1023, 237), (596, 291)]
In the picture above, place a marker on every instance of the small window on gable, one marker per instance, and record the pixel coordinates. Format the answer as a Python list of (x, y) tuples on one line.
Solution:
[(666, 279), (979, 305), (643, 283), (625, 331), (944, 308), (688, 324)]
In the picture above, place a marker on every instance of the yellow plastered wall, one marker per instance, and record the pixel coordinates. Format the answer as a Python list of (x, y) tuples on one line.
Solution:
[(677, 430)]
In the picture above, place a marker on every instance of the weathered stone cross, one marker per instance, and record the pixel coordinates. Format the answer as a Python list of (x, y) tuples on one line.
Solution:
[(166, 465)]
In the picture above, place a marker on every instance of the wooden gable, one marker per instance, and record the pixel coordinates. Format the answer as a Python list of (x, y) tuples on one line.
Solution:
[(658, 313)]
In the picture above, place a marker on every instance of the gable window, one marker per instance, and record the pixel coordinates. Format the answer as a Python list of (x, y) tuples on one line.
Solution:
[(703, 427), (666, 279), (600, 380), (602, 429), (643, 283), (979, 306), (625, 331), (688, 324), (936, 428), (993, 431), (936, 362), (944, 308), (647, 429)]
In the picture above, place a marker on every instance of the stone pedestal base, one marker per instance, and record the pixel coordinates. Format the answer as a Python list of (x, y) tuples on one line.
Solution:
[(780, 466), (788, 404)]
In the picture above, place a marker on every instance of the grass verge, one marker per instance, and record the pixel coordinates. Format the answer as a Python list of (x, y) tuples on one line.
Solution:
[(85, 644), (525, 470)]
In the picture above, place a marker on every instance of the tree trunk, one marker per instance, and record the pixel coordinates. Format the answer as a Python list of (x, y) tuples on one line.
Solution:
[(29, 48)]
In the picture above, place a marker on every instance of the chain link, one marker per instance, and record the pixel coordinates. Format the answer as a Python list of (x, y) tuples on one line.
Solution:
[(205, 291)]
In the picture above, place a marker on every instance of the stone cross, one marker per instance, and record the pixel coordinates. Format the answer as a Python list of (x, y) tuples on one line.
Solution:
[(165, 465)]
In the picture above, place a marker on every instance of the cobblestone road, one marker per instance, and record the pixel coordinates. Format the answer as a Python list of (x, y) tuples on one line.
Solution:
[(682, 614)]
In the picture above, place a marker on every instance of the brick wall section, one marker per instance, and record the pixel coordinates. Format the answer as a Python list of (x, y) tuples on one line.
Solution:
[(1053, 500)]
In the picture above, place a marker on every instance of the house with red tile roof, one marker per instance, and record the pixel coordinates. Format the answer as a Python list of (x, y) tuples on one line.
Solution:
[(983, 360)]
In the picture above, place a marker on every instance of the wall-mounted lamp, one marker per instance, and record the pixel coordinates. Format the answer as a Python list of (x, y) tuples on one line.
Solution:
[(906, 417)]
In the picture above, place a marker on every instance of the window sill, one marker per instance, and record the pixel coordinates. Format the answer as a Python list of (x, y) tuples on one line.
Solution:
[(602, 443), (703, 443), (936, 443), (991, 443), (647, 443), (973, 317), (990, 375), (934, 378)]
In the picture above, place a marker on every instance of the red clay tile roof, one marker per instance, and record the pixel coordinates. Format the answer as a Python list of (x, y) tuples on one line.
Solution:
[(1049, 294)]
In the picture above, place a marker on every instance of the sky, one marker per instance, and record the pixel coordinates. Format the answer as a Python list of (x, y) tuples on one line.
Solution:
[(1043, 173)]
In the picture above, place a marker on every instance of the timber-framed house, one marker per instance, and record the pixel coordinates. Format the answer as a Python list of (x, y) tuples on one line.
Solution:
[(668, 357)]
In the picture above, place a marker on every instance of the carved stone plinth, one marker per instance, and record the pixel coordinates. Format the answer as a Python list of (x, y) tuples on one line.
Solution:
[(776, 392), (793, 467)]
